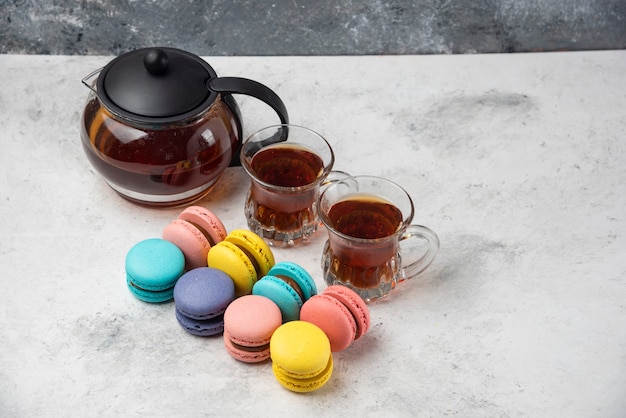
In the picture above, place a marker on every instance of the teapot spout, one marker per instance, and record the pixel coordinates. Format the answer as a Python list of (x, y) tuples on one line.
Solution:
[(91, 84)]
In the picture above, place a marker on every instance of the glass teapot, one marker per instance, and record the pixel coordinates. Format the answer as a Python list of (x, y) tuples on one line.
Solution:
[(161, 127)]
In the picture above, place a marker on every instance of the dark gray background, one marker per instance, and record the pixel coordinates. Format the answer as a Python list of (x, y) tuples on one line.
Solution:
[(311, 27)]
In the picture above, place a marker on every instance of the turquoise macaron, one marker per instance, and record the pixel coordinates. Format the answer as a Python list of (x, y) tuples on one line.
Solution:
[(289, 286), (152, 268)]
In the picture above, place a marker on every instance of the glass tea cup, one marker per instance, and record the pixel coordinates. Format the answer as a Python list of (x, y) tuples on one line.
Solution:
[(287, 165), (369, 231)]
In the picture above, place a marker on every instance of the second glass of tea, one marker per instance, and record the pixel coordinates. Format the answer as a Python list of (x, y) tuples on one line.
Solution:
[(372, 244), (287, 164)]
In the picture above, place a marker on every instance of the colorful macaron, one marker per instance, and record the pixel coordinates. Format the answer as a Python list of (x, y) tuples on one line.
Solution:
[(301, 356), (249, 323), (195, 231), (289, 286), (340, 312), (201, 296), (244, 256), (152, 268)]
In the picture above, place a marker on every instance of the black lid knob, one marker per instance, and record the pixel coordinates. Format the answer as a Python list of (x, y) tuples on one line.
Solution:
[(156, 61)]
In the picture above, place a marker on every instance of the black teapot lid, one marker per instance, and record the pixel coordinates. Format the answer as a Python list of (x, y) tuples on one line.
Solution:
[(156, 85)]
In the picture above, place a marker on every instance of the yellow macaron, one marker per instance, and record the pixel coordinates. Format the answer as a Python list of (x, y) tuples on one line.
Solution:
[(244, 256), (301, 356)]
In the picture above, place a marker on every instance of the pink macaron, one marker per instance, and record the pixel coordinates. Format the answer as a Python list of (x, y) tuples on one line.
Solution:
[(194, 231), (249, 322), (341, 313)]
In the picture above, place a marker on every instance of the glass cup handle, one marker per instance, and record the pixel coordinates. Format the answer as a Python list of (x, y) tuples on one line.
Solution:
[(333, 176), (429, 248)]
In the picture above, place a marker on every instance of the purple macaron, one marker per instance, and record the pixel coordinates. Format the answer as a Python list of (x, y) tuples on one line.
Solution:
[(201, 296)]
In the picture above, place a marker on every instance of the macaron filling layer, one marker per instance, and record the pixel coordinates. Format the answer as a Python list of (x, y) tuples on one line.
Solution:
[(201, 317), (204, 232), (251, 349), (200, 327), (256, 248), (251, 257), (152, 296), (305, 283), (148, 288), (293, 284), (206, 222), (301, 377)]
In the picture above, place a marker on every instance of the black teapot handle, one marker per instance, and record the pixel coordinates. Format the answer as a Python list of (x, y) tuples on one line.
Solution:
[(237, 85), (252, 88)]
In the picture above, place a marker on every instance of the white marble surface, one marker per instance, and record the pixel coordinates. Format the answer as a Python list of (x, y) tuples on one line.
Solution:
[(517, 161)]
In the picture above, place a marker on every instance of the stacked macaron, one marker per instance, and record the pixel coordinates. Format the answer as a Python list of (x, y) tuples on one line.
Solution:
[(249, 323), (244, 256), (341, 313), (289, 286), (201, 296), (301, 356), (195, 231), (152, 268)]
